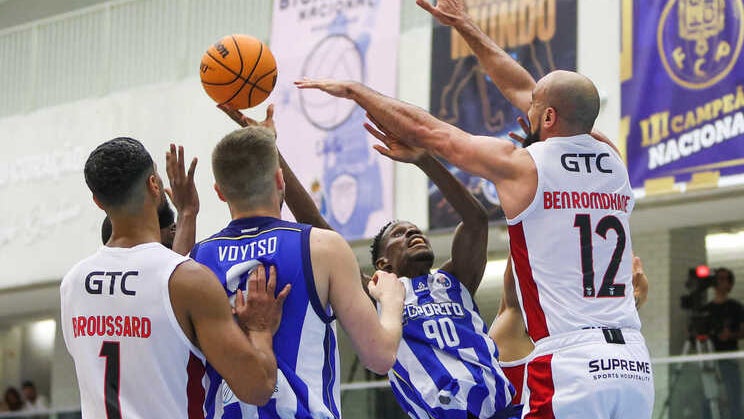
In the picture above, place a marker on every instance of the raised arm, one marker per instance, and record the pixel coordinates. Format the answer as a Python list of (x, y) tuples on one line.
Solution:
[(486, 157), (470, 242), (244, 358), (298, 200), (514, 82), (182, 193), (375, 338)]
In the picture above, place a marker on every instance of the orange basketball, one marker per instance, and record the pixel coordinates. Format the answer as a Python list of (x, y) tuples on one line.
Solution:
[(239, 71)]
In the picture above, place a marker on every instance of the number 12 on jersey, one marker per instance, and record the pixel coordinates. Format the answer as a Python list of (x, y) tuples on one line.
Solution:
[(609, 288)]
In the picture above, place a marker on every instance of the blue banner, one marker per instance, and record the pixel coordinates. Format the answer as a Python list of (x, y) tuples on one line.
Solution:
[(683, 89), (540, 35)]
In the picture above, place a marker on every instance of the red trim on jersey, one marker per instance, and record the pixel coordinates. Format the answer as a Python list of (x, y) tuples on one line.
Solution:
[(537, 326), (194, 388), (540, 383), (515, 374)]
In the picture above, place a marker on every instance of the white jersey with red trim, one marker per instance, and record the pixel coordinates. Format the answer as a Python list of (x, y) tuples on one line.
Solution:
[(131, 356), (571, 247)]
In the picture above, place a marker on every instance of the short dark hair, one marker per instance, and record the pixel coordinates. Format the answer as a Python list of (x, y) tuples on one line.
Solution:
[(115, 170), (374, 248), (106, 230), (244, 163)]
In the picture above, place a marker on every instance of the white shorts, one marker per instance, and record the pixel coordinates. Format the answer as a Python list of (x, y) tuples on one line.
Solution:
[(580, 375)]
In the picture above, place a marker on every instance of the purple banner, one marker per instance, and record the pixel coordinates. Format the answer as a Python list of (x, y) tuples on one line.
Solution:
[(683, 88)]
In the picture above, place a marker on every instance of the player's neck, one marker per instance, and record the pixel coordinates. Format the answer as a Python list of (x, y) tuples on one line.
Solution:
[(415, 269), (132, 230), (255, 212)]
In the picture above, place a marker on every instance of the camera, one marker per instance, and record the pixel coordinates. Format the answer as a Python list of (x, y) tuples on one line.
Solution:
[(699, 280)]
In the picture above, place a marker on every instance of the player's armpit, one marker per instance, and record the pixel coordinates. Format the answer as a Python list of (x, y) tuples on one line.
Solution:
[(203, 311)]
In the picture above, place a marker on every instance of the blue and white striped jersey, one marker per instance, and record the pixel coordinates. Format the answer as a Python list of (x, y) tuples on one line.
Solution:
[(305, 345), (447, 364)]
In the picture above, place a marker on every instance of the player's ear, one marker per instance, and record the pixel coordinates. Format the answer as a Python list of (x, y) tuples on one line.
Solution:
[(279, 177), (219, 193), (153, 185), (550, 117), (98, 203), (382, 263)]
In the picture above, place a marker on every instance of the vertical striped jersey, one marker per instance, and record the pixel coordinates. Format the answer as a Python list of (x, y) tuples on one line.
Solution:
[(132, 358), (447, 364), (305, 344), (571, 247)]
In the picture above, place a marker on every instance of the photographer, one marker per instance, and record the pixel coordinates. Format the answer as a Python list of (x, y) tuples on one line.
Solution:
[(727, 326)]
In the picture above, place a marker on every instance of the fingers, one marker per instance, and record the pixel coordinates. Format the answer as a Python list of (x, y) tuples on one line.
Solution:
[(516, 137), (271, 285), (257, 275), (382, 150), (169, 192), (283, 294), (523, 123), (236, 115), (181, 168), (424, 4), (239, 300), (376, 133), (192, 169), (170, 162), (270, 113)]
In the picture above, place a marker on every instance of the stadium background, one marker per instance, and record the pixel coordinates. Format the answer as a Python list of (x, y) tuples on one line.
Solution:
[(76, 72)]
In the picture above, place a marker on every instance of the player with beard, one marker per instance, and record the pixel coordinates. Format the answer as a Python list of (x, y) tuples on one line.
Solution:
[(446, 365), (141, 320)]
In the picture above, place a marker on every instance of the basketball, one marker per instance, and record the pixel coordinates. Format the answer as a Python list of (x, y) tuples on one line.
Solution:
[(238, 71)]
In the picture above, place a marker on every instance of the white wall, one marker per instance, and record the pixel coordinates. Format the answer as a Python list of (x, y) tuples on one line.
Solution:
[(46, 212)]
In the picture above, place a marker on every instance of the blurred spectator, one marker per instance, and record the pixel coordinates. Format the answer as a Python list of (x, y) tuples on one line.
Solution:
[(13, 399), (727, 327), (33, 401)]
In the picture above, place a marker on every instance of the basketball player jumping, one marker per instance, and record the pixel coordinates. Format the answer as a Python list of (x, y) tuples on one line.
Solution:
[(516, 84), (567, 200), (446, 365), (139, 320), (324, 275)]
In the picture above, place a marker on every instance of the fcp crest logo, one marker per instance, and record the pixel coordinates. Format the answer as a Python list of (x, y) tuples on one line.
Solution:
[(699, 41)]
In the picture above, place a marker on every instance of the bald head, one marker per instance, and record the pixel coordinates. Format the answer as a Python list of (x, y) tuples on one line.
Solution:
[(574, 97)]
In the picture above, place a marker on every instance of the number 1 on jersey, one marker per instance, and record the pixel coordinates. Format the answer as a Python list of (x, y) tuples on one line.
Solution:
[(609, 288), (110, 351)]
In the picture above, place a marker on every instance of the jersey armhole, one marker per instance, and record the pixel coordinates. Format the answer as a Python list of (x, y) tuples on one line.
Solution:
[(171, 314), (538, 190), (307, 269)]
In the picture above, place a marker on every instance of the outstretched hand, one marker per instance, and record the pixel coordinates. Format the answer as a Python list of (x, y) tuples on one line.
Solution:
[(261, 311), (525, 128), (245, 121), (336, 88), (394, 148), (182, 190), (447, 12)]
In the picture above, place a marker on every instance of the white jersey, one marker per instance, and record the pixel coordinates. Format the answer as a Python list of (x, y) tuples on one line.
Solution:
[(571, 247), (131, 356)]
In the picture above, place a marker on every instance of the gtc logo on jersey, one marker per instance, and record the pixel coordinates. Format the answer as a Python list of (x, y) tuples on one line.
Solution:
[(699, 41), (99, 282)]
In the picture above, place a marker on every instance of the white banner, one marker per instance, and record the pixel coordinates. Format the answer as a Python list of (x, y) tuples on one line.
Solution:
[(322, 137)]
